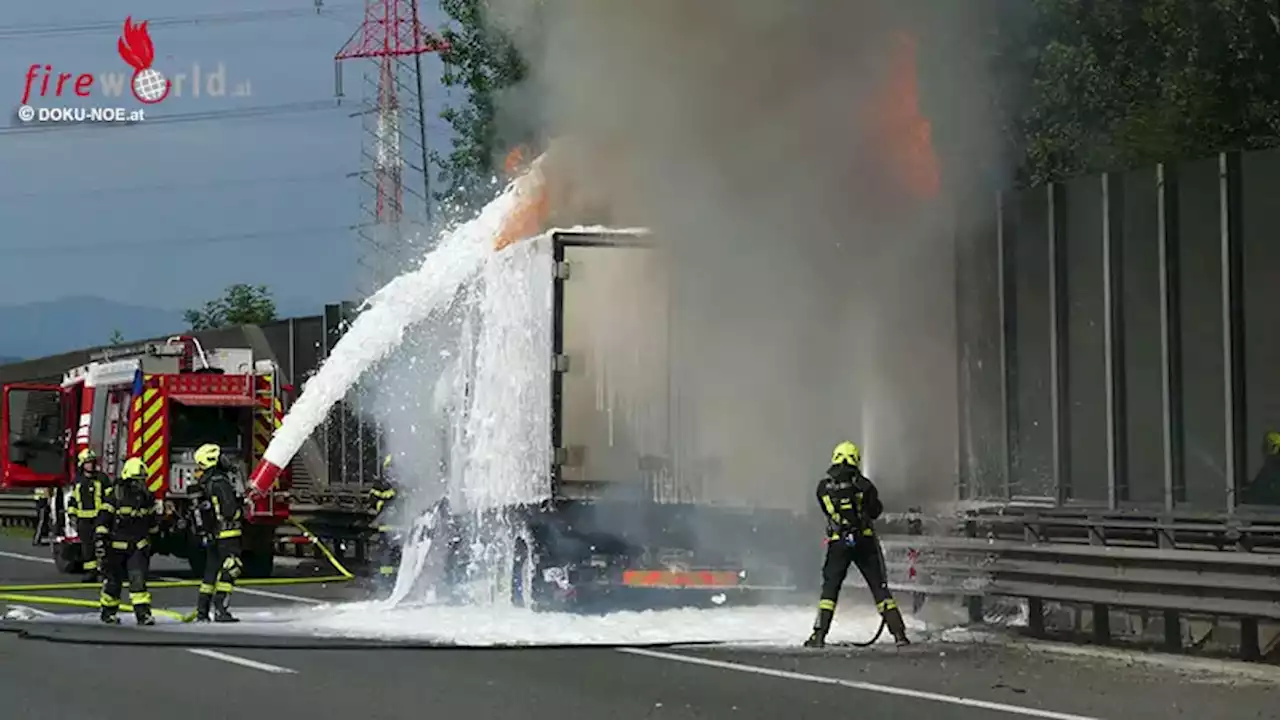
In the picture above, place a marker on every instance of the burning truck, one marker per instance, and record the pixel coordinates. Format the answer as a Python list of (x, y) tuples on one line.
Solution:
[(635, 513)]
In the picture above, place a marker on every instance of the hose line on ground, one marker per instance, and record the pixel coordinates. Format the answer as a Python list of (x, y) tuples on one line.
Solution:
[(874, 638), (13, 593), (77, 602)]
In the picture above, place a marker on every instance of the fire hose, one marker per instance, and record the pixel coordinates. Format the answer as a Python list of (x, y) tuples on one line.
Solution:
[(16, 593)]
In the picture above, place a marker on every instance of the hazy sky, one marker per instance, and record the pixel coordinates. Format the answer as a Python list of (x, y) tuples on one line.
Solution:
[(143, 213)]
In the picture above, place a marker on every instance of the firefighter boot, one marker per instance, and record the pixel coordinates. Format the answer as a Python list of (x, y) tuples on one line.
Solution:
[(893, 619), (220, 612), (818, 638), (108, 616), (142, 612), (202, 607)]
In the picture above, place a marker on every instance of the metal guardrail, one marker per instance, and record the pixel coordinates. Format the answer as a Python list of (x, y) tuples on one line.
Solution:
[(17, 509), (1231, 583), (1240, 585), (1188, 529)]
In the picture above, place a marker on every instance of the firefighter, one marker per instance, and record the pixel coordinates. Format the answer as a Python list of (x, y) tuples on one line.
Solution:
[(127, 521), (386, 541), (851, 504), (83, 501), (44, 516), (203, 528), (219, 514), (1265, 488)]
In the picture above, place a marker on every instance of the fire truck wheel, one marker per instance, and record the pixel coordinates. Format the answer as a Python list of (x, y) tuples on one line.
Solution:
[(196, 559), (258, 564), (66, 558)]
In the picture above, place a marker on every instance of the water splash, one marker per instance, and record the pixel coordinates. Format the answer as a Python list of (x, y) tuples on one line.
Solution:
[(380, 328), (490, 401)]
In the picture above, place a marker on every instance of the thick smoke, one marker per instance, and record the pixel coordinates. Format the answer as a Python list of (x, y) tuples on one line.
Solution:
[(814, 296)]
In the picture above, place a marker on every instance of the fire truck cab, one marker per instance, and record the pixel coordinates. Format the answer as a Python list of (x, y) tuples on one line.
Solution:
[(158, 402)]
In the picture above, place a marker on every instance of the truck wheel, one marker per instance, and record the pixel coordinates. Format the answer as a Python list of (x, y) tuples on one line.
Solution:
[(66, 558), (258, 564), (521, 569), (258, 551), (197, 559)]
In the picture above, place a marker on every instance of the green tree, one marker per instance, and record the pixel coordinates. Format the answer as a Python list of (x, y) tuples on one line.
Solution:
[(1115, 84), (240, 305), (117, 337), (483, 62)]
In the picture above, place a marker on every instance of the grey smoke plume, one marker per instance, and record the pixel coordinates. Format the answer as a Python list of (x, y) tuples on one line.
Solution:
[(815, 299)]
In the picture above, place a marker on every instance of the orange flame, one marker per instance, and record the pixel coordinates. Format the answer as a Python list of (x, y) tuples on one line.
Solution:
[(515, 162), (528, 218), (905, 130)]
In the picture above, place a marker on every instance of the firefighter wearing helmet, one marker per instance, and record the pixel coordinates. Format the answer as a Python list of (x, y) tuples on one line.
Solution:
[(1265, 488), (851, 504), (219, 513), (83, 501), (127, 521), (382, 497)]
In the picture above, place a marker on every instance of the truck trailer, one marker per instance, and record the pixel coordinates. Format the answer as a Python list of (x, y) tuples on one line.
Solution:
[(641, 514)]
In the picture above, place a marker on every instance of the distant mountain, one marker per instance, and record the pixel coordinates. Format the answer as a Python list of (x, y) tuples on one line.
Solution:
[(7, 360), (55, 326), (47, 328)]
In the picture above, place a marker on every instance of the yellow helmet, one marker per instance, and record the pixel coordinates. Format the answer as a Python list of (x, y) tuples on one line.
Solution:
[(133, 469), (207, 456), (85, 456), (846, 453), (1273, 443)]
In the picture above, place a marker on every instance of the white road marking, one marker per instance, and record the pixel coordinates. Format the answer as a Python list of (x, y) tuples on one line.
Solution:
[(28, 558), (858, 685), (236, 660), (278, 596)]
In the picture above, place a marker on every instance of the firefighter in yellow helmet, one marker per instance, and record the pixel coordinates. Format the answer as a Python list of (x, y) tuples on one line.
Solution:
[(851, 504), (83, 500), (127, 521), (1265, 488), (382, 495), (219, 517)]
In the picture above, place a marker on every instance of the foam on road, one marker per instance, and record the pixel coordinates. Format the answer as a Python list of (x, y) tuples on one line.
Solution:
[(497, 626)]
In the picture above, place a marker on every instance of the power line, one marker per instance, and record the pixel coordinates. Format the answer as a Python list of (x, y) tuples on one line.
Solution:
[(178, 185), (14, 32), (255, 111), (171, 244)]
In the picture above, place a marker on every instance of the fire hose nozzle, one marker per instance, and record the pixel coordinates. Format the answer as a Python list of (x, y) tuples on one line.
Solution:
[(264, 476)]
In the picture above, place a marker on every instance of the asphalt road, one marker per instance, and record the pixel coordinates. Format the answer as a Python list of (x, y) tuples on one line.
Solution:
[(51, 681)]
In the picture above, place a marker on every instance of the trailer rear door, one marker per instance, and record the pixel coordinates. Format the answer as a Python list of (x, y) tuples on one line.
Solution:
[(612, 405)]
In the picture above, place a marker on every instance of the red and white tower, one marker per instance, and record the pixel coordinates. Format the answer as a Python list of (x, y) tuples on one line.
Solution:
[(396, 170)]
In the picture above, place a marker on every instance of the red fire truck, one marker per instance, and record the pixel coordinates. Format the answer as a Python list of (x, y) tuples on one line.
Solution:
[(159, 402)]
